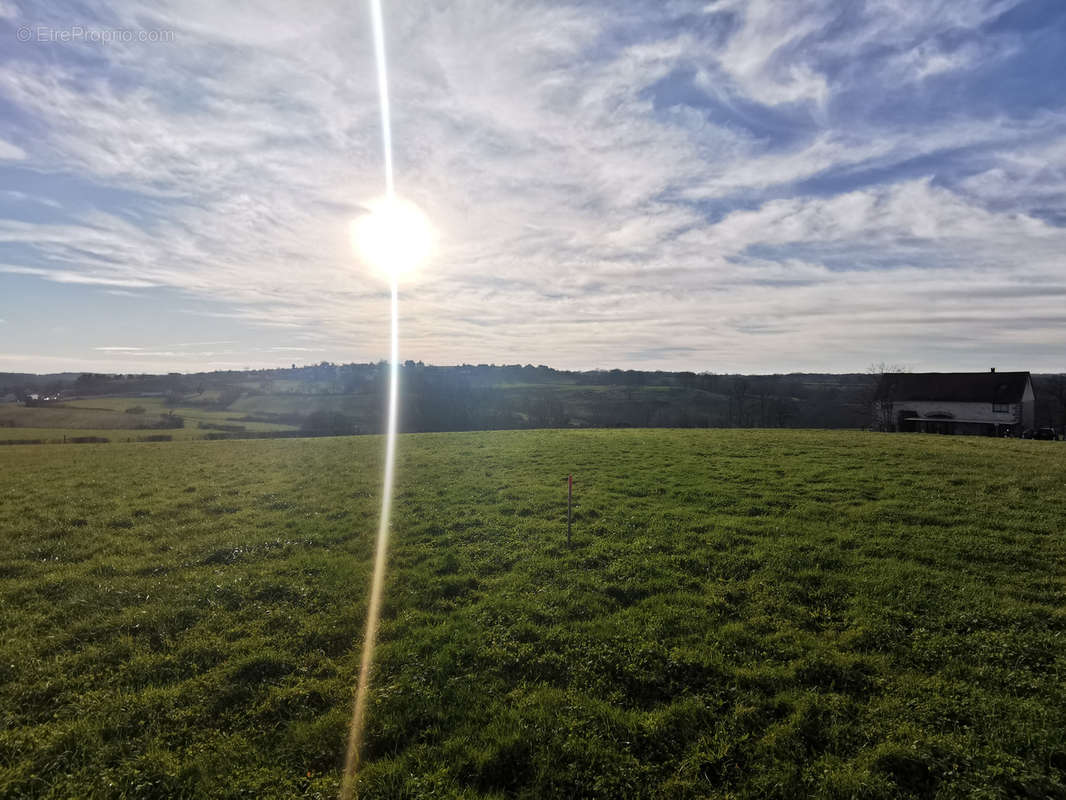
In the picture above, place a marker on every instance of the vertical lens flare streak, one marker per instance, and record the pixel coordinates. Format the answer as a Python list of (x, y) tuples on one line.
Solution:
[(373, 616), (383, 94)]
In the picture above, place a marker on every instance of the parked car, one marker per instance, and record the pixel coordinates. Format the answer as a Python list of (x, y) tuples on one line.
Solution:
[(1046, 434)]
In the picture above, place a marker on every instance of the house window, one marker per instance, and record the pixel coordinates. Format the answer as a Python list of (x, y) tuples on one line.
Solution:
[(1001, 408)]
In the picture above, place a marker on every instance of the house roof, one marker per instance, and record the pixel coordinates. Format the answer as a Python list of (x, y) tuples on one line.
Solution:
[(958, 387)]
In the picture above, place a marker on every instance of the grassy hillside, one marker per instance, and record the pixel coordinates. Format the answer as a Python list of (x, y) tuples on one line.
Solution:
[(349, 398), (361, 407), (125, 419), (65, 416), (195, 416), (72, 435), (742, 614)]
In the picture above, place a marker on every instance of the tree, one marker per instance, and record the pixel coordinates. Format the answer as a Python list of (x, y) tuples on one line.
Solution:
[(738, 401), (1058, 389), (881, 394), (329, 423)]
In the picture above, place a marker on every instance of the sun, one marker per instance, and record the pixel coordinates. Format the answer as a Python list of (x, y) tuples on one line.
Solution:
[(394, 237)]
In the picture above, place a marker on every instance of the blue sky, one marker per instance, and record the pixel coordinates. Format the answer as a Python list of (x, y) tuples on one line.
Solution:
[(730, 186)]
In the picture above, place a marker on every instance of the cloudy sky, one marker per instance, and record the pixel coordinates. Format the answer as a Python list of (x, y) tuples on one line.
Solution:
[(739, 185)]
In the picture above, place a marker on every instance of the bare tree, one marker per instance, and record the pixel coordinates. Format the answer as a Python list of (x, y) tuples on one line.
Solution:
[(881, 394)]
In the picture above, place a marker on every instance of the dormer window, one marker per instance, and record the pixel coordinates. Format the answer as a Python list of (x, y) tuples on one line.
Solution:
[(1000, 408)]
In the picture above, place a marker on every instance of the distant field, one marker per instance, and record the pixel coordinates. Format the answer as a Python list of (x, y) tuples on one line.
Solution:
[(292, 403), (71, 416), (60, 435), (108, 418), (743, 614), (193, 415)]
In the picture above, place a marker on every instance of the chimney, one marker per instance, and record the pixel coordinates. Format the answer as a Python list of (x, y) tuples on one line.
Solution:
[(993, 369)]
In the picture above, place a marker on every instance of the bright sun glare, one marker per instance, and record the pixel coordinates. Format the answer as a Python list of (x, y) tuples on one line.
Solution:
[(394, 237)]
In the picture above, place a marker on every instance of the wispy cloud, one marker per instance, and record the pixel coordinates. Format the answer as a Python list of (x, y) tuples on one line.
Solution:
[(203, 344), (23, 197), (70, 276), (11, 152), (730, 185)]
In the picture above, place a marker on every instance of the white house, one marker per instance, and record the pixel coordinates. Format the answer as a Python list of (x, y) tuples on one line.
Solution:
[(982, 403)]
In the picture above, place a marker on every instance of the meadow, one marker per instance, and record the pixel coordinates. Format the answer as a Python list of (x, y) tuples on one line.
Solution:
[(740, 614), (124, 419)]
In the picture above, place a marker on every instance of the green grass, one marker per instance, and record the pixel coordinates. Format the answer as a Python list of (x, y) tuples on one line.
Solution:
[(65, 435), (360, 405), (742, 614), (107, 418), (64, 416), (192, 414)]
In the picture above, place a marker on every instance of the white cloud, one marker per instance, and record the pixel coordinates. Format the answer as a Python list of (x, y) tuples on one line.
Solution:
[(69, 276), (765, 56), (11, 152), (1030, 177), (23, 197), (905, 211)]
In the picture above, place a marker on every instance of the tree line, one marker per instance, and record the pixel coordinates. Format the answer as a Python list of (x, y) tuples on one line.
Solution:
[(350, 398)]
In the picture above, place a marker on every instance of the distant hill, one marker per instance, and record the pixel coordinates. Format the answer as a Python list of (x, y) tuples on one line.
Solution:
[(345, 398)]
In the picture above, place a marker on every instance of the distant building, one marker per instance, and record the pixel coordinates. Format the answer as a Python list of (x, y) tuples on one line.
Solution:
[(976, 403)]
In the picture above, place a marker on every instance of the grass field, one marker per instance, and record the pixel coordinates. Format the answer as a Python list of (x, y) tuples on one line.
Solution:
[(361, 406), (107, 418), (63, 416), (743, 614), (68, 435), (193, 415)]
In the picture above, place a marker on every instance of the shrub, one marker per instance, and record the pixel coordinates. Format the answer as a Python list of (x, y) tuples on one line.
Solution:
[(329, 423)]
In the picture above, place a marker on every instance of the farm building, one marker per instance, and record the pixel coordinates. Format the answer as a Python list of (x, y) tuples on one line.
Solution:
[(976, 403)]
